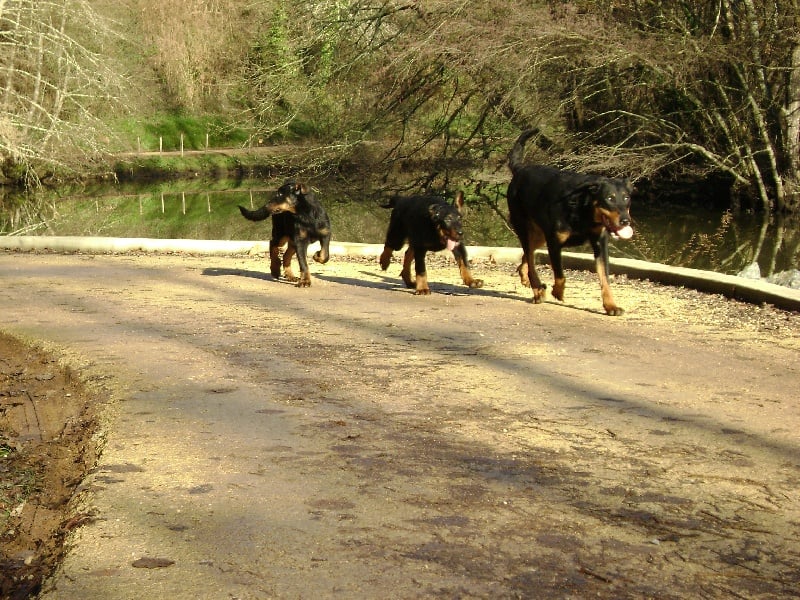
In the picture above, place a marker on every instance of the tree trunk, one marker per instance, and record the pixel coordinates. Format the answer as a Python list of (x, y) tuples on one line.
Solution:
[(793, 118)]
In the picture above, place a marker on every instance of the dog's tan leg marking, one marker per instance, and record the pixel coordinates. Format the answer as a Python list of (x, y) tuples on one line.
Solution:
[(422, 285), (522, 271)]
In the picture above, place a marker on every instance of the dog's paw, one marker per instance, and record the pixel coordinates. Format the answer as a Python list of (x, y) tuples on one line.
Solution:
[(423, 292), (613, 311), (475, 283), (558, 290)]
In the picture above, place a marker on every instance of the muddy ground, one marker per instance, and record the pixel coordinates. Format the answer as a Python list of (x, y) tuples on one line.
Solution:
[(466, 444), (47, 423)]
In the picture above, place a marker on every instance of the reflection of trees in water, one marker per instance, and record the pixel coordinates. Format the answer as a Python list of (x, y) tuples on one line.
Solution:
[(23, 214), (725, 244)]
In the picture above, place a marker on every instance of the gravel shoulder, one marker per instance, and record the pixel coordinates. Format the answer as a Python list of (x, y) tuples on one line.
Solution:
[(258, 440)]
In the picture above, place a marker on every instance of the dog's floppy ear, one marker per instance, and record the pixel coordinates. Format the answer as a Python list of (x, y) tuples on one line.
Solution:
[(588, 190)]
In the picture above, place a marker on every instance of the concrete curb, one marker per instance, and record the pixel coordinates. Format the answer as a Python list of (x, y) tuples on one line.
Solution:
[(731, 286)]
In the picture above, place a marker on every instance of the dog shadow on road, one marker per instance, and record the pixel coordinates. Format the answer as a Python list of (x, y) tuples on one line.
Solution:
[(218, 272), (390, 283)]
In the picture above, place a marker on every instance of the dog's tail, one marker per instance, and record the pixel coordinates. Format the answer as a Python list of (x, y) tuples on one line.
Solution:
[(255, 215), (517, 151)]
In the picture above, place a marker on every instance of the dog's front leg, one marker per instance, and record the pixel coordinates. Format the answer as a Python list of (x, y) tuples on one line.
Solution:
[(601, 262), (460, 254), (324, 253), (302, 258), (422, 288)]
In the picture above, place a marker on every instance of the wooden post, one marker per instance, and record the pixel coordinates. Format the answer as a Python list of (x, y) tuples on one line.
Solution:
[(160, 144), (183, 202), (181, 144), (162, 203)]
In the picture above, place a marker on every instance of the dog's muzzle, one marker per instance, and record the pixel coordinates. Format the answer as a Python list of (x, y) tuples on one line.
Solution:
[(621, 231), (450, 238)]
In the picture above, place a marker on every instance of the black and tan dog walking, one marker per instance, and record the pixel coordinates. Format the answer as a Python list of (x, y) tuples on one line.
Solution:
[(549, 206), (298, 220), (427, 223)]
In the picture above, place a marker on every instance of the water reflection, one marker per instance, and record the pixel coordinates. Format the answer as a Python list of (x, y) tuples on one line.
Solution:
[(690, 237)]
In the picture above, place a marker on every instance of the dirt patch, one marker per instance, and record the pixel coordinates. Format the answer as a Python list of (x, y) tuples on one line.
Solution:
[(46, 448)]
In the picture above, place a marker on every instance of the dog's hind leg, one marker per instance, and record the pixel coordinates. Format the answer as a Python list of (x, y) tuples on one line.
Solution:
[(386, 258), (275, 245), (559, 281), (406, 272), (395, 238), (291, 250), (460, 254), (527, 270)]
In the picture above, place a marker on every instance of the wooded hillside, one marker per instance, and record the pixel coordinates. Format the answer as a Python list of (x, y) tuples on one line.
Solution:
[(647, 89)]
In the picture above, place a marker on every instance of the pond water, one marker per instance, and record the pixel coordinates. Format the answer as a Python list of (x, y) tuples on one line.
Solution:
[(676, 235)]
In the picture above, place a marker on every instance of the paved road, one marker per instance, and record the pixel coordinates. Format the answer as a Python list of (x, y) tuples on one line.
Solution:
[(352, 440)]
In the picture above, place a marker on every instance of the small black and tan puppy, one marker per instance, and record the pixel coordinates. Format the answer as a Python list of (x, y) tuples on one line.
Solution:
[(298, 220), (427, 223)]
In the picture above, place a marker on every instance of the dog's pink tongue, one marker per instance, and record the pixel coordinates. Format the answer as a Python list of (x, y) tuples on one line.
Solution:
[(625, 233), (451, 244)]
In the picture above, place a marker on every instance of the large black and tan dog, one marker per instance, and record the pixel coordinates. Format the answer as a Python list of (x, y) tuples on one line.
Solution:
[(298, 220), (428, 223), (564, 208)]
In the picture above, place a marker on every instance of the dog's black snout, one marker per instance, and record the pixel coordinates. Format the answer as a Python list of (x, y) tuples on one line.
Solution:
[(624, 221)]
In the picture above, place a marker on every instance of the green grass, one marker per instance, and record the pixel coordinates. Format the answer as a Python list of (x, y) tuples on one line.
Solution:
[(163, 132)]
